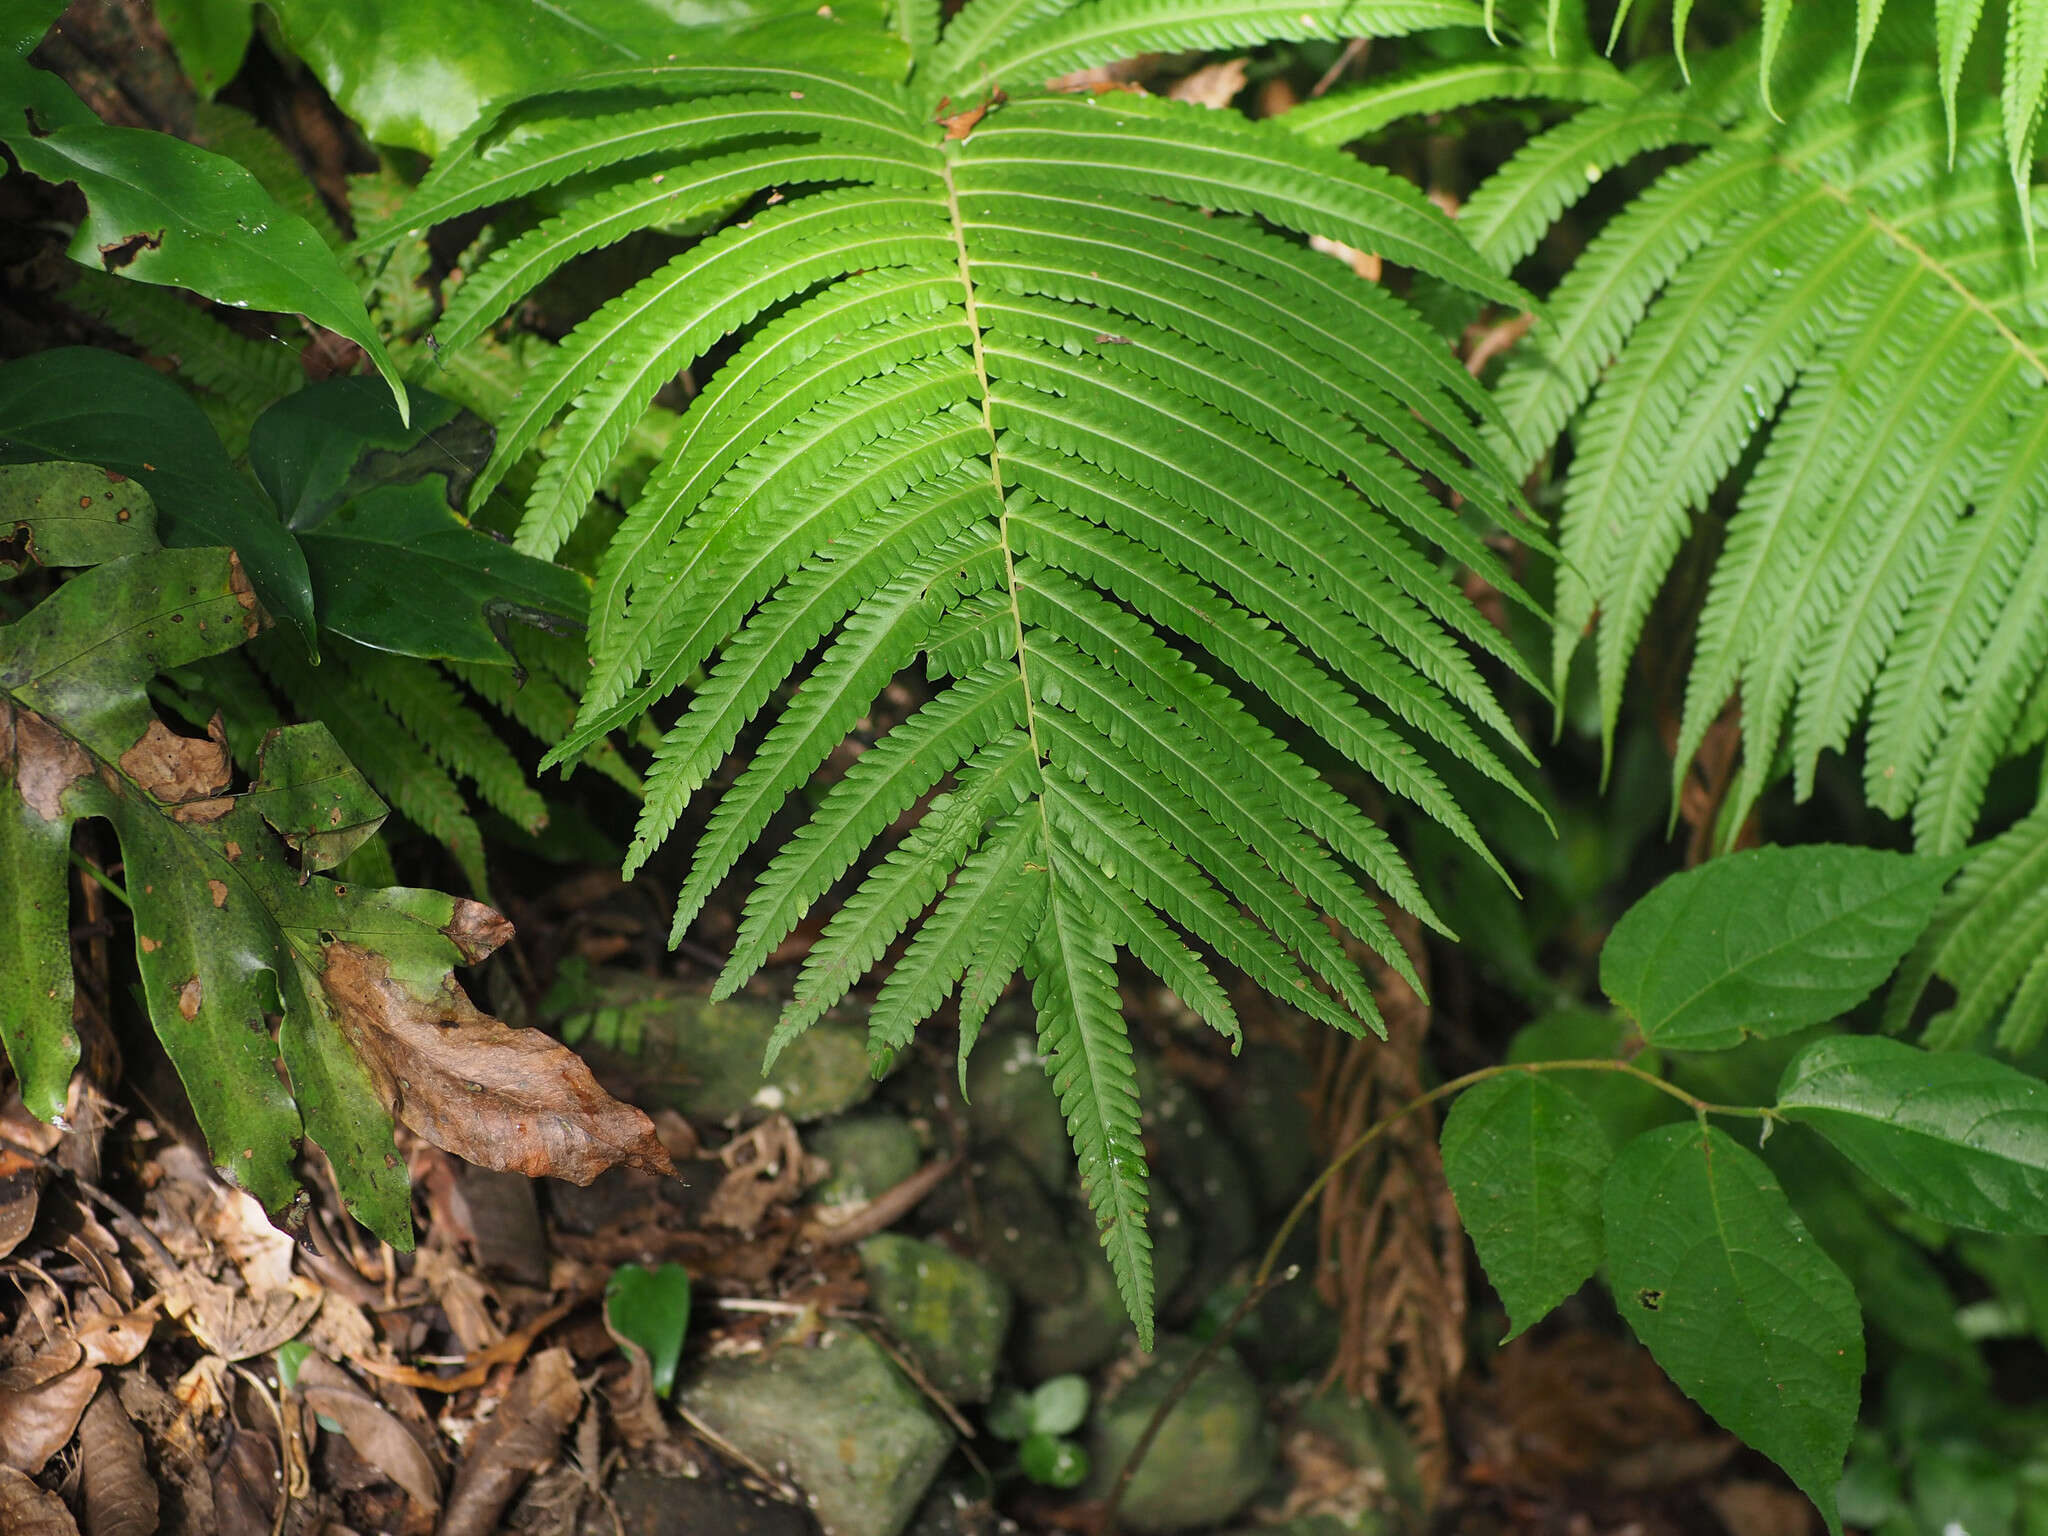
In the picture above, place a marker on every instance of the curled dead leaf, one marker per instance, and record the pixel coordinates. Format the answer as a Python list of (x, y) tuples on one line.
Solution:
[(18, 1196), (522, 1437), (35, 1425), (120, 1495), (764, 1168), (45, 761), (477, 929), (26, 1510), (511, 1099), (176, 769), (377, 1434)]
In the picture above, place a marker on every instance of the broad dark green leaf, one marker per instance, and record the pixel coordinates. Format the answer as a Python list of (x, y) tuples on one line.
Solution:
[(76, 514), (97, 407), (313, 796), (389, 65), (35, 923), (210, 37), (160, 210), (1959, 1137), (651, 1308), (1767, 941), (395, 566), (1626, 1106), (1525, 1157), (1739, 1304)]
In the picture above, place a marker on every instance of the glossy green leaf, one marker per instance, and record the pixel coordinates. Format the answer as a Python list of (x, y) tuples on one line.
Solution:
[(1524, 1157), (1053, 1461), (210, 38), (1625, 1106), (1767, 941), (1742, 1308), (1059, 1404), (35, 925), (1960, 1138), (651, 1308), (160, 210), (313, 796), (394, 564), (389, 65), (76, 514), (97, 407)]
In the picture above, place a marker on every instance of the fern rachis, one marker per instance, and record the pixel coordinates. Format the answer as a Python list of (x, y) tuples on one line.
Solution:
[(1055, 397)]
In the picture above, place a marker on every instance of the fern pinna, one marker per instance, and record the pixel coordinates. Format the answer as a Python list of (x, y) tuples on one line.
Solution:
[(1822, 326), (1049, 391)]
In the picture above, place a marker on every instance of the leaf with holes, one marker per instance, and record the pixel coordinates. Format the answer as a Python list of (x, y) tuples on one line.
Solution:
[(1722, 1281)]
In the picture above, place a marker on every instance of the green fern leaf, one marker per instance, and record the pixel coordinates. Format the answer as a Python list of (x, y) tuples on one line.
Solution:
[(1050, 396)]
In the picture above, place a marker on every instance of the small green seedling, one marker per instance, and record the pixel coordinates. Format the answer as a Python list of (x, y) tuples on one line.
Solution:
[(1041, 1422), (650, 1308)]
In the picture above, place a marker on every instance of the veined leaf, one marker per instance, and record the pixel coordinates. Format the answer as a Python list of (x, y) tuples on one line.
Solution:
[(1960, 1138), (1525, 1159), (1719, 1278), (1766, 941)]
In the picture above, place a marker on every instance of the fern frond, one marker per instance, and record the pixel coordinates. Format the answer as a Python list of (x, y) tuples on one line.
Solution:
[(1054, 399), (1342, 117), (1082, 36), (1825, 290)]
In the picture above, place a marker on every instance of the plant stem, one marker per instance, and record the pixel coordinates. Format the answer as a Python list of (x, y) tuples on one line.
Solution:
[(1266, 1280), (1700, 1107)]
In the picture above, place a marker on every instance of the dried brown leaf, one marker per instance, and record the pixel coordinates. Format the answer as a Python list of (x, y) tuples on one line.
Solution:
[(764, 1169), (115, 1338), (521, 1438), (26, 1510), (1213, 85), (177, 768), (46, 762), (477, 929), (120, 1495), (377, 1434), (511, 1099), (17, 1196), (247, 1484), (38, 1423)]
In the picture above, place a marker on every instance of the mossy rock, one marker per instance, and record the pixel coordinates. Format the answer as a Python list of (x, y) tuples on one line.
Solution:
[(838, 1418), (868, 1154), (1214, 1450), (659, 1044), (950, 1313)]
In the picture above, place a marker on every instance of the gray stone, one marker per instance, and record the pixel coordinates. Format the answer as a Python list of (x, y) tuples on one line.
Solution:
[(868, 1153), (837, 1418), (1197, 1169), (1264, 1111), (950, 1313), (1213, 1452), (660, 1044), (1077, 1334), (655, 1504), (1010, 1099), (1015, 1229)]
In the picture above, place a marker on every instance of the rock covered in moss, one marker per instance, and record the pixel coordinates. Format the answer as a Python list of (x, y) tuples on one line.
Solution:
[(1213, 1452), (660, 1044), (950, 1313), (867, 1154), (837, 1417)]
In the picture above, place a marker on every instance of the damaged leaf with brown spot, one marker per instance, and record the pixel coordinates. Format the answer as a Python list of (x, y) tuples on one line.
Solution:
[(313, 796), (235, 930)]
